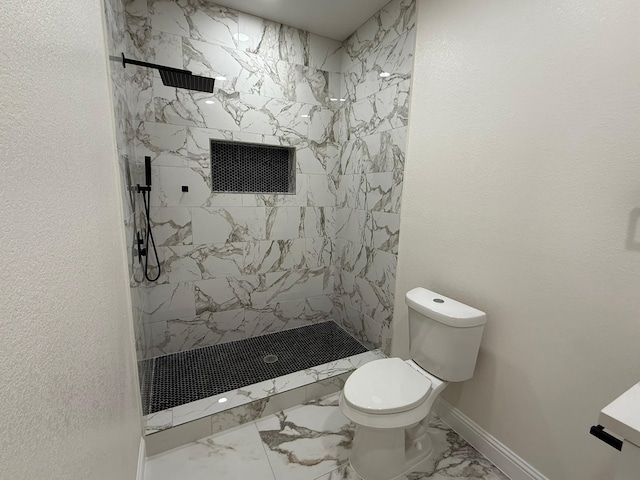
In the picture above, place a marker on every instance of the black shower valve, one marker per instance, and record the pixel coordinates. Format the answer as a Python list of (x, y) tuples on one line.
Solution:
[(142, 252), (185, 188)]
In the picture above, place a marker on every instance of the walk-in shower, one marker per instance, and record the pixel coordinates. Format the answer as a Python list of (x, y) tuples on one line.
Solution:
[(275, 204), (179, 378)]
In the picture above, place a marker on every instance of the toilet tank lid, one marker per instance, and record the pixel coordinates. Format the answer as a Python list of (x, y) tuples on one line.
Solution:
[(443, 309)]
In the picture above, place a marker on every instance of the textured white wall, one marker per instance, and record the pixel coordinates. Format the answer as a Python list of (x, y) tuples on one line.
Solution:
[(523, 170), (67, 372)]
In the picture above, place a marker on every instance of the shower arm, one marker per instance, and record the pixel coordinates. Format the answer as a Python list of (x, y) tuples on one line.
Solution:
[(130, 61), (173, 77)]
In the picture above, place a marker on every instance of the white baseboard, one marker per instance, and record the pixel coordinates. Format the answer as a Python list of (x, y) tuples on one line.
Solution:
[(142, 460), (514, 466)]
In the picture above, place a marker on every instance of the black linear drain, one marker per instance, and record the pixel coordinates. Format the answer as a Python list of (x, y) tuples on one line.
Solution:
[(188, 376)]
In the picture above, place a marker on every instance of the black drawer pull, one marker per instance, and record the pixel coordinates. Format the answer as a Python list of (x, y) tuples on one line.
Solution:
[(598, 432)]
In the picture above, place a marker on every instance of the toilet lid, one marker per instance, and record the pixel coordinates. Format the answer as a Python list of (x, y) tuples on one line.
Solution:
[(386, 386)]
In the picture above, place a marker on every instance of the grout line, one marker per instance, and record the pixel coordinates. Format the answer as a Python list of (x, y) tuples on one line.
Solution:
[(329, 473), (264, 447)]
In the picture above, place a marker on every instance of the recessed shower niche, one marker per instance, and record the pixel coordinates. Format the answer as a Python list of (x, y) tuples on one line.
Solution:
[(238, 167)]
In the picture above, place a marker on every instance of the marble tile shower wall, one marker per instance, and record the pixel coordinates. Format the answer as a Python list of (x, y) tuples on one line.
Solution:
[(124, 89), (235, 265), (374, 126)]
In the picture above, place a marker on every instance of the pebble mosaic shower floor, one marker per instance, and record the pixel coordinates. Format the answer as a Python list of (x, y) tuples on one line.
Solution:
[(185, 377)]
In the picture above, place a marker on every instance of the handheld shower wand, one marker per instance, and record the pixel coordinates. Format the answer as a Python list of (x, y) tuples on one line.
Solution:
[(146, 252), (147, 171), (137, 248)]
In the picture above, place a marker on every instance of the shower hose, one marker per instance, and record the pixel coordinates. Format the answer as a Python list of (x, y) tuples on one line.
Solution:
[(149, 236)]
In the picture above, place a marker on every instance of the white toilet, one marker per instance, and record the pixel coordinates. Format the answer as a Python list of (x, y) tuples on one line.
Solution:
[(389, 400)]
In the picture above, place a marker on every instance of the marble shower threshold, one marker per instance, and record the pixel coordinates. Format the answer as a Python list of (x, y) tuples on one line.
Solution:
[(300, 350)]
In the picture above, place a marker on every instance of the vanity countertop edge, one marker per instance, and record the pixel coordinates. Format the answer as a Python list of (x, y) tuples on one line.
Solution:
[(622, 416)]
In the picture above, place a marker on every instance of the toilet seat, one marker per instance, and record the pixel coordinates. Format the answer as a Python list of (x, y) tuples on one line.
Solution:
[(386, 386)]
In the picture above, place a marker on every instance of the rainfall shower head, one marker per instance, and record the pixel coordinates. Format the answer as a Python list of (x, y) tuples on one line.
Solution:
[(174, 77), (185, 79)]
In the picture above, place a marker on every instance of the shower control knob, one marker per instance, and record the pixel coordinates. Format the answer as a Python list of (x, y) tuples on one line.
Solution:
[(185, 188)]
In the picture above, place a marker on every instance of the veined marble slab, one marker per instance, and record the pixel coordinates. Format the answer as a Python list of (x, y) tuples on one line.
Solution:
[(311, 441), (189, 412)]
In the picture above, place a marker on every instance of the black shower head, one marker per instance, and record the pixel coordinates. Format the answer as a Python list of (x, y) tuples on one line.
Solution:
[(185, 79), (174, 77)]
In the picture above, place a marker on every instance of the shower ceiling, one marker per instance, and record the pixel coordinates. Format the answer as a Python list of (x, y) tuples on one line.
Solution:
[(335, 19)]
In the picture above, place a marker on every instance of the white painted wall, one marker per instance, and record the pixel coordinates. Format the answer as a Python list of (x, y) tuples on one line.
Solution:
[(69, 401), (523, 171)]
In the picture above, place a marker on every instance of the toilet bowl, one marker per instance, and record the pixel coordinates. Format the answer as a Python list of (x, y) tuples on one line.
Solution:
[(390, 400)]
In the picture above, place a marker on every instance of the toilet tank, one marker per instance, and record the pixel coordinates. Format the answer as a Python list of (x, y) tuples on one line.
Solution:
[(444, 334)]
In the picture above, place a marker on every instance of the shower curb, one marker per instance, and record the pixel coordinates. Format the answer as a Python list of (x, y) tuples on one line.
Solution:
[(174, 437)]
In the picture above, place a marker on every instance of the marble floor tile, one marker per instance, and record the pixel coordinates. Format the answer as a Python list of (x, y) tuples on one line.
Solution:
[(307, 442), (454, 458), (345, 472), (229, 455)]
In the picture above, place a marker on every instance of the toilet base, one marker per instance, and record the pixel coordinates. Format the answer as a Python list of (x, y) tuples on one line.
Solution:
[(389, 454), (403, 476)]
